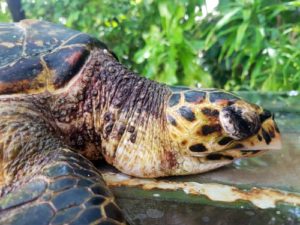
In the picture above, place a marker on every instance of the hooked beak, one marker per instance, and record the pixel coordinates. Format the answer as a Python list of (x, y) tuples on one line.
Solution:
[(267, 138)]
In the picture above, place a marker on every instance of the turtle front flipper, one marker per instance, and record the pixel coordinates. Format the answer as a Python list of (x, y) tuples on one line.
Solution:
[(42, 180), (68, 190)]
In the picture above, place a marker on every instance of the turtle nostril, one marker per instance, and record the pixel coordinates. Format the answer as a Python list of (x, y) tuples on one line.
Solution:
[(239, 123)]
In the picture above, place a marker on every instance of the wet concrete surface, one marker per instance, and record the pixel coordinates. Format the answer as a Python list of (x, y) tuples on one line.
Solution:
[(148, 211)]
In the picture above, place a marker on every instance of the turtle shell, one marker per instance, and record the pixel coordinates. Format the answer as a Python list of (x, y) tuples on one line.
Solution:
[(36, 56)]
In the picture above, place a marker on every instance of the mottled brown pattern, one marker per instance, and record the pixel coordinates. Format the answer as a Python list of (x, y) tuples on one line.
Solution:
[(187, 113), (98, 113), (210, 112), (208, 129), (198, 148)]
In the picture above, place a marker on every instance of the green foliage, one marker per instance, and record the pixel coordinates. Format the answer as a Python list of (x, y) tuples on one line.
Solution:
[(170, 54), (4, 14), (245, 44), (256, 45)]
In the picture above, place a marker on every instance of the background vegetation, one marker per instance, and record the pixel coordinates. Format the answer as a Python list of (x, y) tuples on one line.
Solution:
[(242, 45)]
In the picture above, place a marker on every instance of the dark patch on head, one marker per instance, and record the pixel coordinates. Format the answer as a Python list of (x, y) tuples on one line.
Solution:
[(198, 148), (259, 137), (266, 136), (214, 156), (187, 113), (276, 127), (265, 115), (171, 120), (174, 100), (208, 129), (210, 112), (66, 63), (272, 132), (225, 140), (220, 96), (194, 96)]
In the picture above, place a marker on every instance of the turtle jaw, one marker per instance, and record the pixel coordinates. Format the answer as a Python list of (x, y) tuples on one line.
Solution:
[(250, 128), (267, 138)]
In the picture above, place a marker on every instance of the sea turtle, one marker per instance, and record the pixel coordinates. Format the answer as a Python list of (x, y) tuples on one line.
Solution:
[(67, 101)]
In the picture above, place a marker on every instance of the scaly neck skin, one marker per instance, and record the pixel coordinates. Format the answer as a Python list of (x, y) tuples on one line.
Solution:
[(112, 110)]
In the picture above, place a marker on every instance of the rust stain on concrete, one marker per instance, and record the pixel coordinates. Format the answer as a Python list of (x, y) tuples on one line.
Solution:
[(261, 197)]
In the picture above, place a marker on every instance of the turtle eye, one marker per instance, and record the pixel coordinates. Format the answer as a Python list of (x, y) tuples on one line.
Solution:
[(239, 123)]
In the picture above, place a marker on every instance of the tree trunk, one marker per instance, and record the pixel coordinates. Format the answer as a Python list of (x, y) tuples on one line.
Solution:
[(15, 7)]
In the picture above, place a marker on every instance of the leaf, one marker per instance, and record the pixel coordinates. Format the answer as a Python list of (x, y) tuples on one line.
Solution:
[(196, 45), (176, 36), (168, 75), (227, 17), (210, 40), (164, 11), (141, 55), (240, 35)]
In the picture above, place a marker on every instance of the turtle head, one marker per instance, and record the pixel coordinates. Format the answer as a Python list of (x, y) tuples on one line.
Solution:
[(214, 127)]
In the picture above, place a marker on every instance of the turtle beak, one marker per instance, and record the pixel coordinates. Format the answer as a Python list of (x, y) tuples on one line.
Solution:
[(267, 138)]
